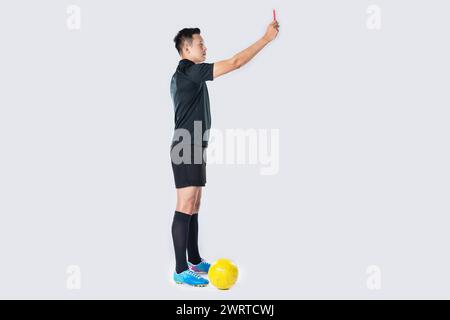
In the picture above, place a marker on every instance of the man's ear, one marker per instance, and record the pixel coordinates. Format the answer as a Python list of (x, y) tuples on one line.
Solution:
[(186, 47)]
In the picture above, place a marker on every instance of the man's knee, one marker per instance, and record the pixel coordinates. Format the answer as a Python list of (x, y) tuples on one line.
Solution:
[(187, 204), (197, 206)]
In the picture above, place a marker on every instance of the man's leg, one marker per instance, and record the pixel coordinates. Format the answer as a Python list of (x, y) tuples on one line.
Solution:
[(186, 198), (192, 247)]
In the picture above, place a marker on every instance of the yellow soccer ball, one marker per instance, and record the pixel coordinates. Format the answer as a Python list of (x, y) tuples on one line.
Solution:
[(223, 274)]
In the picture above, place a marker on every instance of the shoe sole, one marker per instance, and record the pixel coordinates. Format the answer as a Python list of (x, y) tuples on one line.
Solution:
[(192, 285)]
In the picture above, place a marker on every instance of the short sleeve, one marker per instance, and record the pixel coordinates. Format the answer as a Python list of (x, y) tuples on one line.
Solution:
[(201, 72)]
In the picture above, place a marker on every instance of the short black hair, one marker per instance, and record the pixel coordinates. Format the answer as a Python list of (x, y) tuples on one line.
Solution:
[(184, 35)]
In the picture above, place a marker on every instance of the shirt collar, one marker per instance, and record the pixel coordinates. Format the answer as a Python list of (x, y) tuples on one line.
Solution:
[(186, 61)]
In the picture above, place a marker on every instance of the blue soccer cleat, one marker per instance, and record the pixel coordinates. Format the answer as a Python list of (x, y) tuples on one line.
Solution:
[(191, 278), (202, 267)]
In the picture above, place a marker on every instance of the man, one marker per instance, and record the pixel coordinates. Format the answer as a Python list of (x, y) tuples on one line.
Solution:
[(188, 149)]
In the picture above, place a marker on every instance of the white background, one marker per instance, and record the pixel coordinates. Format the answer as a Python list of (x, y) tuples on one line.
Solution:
[(86, 121)]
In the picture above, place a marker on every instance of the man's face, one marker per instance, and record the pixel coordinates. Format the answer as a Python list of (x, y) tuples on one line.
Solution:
[(197, 51)]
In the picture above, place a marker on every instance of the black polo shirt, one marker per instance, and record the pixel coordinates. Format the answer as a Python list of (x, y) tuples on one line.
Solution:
[(191, 100)]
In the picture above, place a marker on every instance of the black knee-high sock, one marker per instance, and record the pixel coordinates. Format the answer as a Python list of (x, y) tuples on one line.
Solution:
[(180, 232), (192, 247)]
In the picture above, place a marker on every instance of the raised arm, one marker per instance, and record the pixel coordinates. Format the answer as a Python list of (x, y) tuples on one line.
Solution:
[(241, 58)]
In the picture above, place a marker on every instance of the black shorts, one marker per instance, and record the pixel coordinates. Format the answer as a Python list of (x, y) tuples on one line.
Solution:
[(189, 174)]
